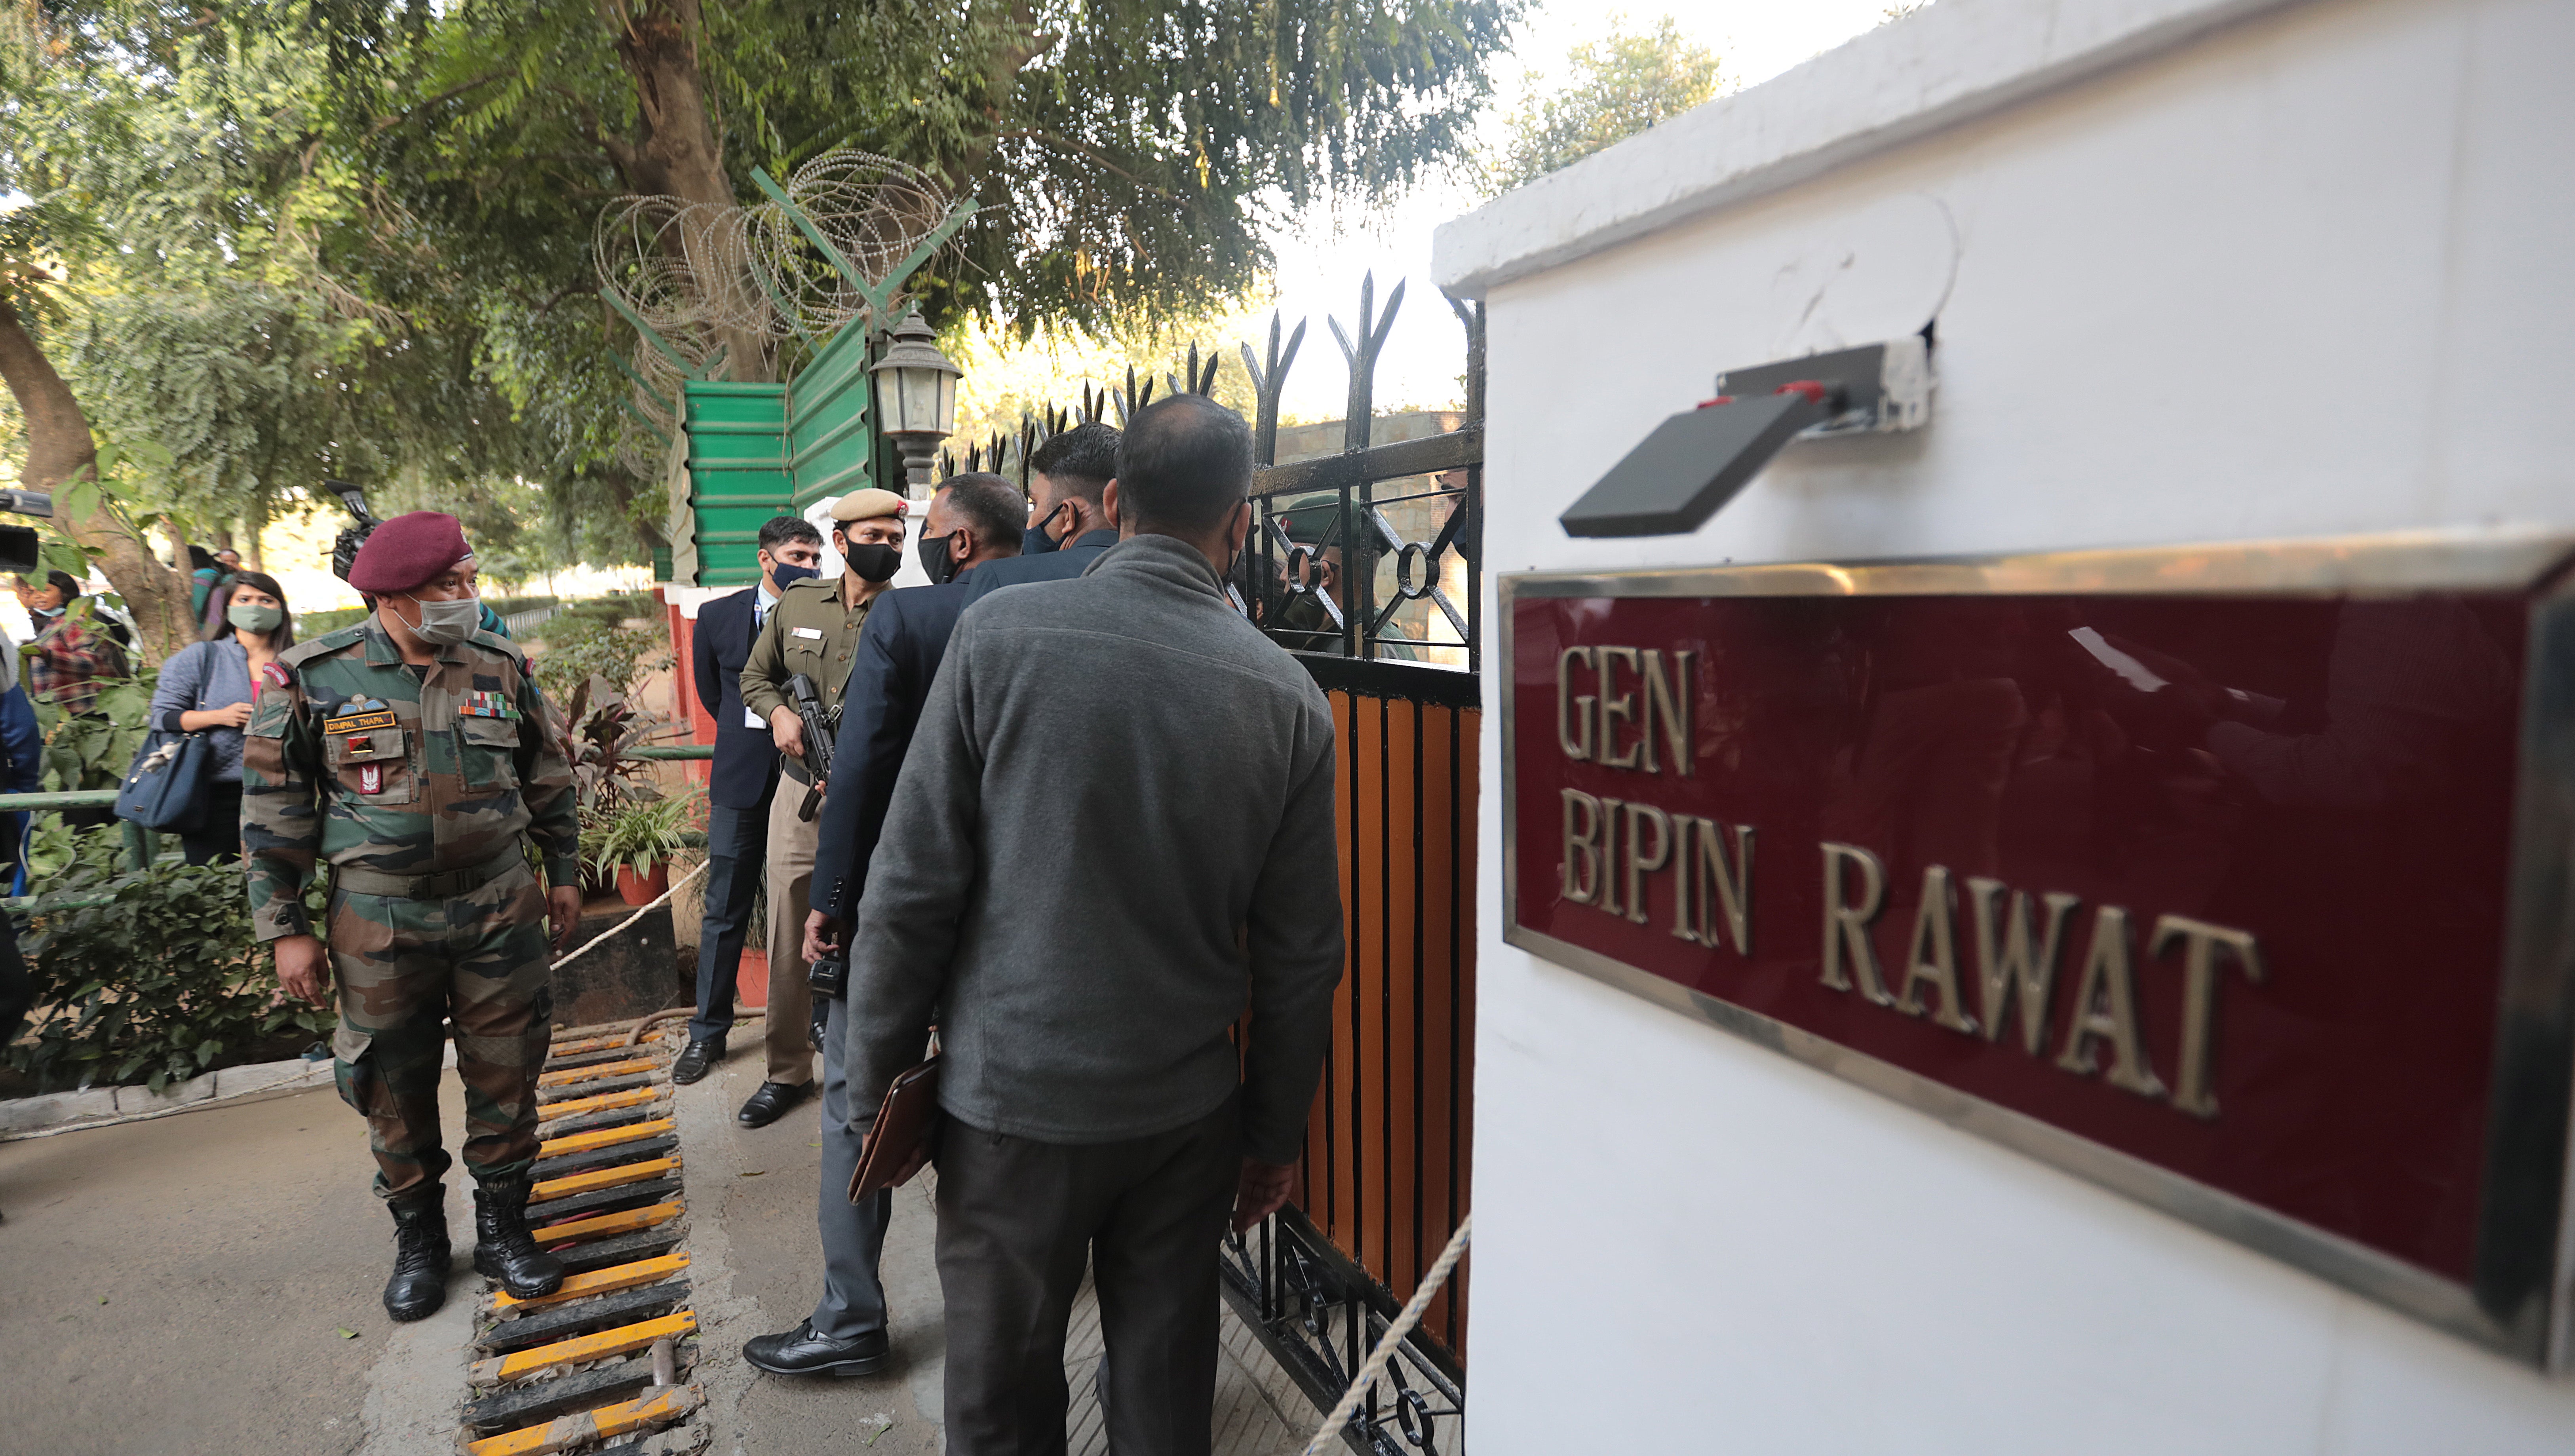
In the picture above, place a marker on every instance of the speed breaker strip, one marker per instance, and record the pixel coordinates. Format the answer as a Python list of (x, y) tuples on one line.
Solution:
[(603, 1363)]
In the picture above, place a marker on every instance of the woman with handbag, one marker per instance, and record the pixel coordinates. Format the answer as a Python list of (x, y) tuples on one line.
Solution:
[(225, 670)]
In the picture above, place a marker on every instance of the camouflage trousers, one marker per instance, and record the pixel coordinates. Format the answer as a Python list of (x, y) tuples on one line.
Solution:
[(407, 969)]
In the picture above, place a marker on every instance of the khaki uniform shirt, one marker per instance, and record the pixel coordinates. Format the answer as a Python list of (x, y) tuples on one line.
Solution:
[(814, 630), (364, 762)]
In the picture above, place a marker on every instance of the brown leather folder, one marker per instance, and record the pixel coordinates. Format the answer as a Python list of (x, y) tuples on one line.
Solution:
[(903, 1124)]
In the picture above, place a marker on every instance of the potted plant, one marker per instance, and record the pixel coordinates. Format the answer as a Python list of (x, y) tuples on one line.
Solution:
[(637, 840)]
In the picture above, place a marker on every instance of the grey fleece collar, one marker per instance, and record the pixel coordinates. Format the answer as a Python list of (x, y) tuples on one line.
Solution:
[(1165, 558)]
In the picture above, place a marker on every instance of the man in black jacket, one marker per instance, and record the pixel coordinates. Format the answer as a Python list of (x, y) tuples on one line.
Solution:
[(1069, 480), (743, 780), (973, 521)]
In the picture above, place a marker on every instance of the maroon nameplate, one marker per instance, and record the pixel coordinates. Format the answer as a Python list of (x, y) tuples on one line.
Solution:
[(2218, 875)]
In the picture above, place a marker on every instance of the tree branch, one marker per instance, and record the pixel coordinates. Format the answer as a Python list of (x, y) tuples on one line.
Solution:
[(387, 123), (1033, 134)]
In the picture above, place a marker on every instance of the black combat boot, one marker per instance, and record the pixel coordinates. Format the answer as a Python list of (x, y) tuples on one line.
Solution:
[(503, 1248), (418, 1284)]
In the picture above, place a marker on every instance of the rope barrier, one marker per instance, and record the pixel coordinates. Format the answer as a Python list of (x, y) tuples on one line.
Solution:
[(640, 914), (1378, 1358)]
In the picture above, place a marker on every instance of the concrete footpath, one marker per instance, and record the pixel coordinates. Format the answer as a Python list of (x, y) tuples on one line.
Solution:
[(179, 1286), (233, 1246)]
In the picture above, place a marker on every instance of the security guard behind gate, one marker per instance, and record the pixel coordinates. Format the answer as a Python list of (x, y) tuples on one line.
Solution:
[(415, 753)]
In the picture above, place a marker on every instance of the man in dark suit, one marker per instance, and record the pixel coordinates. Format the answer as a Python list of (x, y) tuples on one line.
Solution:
[(974, 522), (743, 780), (1067, 479)]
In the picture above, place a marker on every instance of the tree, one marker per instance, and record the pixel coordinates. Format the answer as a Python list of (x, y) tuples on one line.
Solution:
[(233, 302), (39, 242), (1621, 85), (1128, 153)]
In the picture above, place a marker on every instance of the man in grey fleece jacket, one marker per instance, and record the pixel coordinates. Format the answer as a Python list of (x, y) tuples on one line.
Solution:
[(1112, 836)]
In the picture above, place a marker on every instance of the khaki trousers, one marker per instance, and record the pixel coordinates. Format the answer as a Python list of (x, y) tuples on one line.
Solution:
[(788, 1029)]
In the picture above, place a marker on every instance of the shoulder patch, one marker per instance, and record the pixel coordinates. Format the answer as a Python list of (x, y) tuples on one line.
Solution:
[(322, 646)]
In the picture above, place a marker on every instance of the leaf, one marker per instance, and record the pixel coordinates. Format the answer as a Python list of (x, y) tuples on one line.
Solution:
[(345, 1334)]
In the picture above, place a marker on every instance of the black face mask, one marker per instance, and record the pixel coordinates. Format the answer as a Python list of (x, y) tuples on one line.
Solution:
[(874, 561), (937, 559), (1035, 541)]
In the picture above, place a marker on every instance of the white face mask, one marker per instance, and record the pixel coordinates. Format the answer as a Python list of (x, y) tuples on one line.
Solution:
[(445, 624)]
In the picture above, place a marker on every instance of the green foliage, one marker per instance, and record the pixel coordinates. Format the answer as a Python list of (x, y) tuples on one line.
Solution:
[(55, 848), (638, 834), (231, 280), (94, 752), (155, 986), (605, 725), (310, 624), (582, 646), (1621, 86)]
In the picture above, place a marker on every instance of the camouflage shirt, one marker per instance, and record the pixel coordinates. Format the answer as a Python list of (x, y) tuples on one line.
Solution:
[(364, 762)]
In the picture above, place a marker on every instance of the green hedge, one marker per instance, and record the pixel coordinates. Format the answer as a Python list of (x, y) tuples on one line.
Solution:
[(310, 624)]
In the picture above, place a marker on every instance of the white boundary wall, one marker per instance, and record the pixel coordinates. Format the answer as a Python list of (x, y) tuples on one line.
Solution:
[(2201, 271)]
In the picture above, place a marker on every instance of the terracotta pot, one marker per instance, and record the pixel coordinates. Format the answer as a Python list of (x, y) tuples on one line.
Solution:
[(643, 889), (751, 980)]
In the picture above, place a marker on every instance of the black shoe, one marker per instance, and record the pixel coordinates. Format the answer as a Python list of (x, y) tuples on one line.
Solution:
[(800, 1351), (503, 1248), (421, 1254), (771, 1103), (695, 1059)]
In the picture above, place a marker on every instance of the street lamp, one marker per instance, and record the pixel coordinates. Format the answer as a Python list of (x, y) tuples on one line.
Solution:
[(916, 397)]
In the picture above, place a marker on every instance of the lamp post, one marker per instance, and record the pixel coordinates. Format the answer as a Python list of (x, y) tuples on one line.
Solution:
[(916, 397)]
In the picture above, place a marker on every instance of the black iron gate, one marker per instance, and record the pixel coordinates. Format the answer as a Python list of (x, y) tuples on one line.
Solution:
[(1366, 564)]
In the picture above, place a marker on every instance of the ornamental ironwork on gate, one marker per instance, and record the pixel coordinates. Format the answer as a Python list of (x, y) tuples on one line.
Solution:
[(1366, 561), (1366, 564)]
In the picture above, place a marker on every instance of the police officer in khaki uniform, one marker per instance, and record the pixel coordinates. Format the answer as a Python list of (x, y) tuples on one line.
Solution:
[(413, 753), (814, 630)]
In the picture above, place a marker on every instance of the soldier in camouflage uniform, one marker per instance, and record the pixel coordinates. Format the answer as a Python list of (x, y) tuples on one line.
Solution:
[(416, 755)]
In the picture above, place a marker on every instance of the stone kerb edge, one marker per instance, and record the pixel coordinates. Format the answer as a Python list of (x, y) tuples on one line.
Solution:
[(103, 1106)]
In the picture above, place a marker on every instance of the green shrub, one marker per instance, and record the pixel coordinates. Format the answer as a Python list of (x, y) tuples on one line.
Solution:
[(92, 751), (310, 624), (638, 833), (581, 646), (156, 985)]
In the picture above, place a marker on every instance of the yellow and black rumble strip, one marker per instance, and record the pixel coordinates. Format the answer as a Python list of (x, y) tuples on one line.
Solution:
[(604, 1363)]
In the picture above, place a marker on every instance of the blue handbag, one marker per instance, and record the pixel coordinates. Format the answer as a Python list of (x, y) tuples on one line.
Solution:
[(170, 780), (169, 784)]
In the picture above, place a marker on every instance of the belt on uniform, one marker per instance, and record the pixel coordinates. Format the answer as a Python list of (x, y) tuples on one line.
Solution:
[(445, 884)]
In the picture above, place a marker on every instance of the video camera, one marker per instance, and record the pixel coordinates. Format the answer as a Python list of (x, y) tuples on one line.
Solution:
[(18, 544), (344, 550)]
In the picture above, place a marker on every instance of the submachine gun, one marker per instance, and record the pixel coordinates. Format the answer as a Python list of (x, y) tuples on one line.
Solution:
[(830, 976), (819, 729)]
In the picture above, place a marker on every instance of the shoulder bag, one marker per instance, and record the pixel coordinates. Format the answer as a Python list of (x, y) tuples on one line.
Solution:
[(170, 779)]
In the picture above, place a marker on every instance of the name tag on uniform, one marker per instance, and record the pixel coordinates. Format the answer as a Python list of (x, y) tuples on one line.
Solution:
[(813, 633), (359, 723)]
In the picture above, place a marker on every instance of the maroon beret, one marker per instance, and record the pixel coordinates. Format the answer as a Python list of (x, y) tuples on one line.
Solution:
[(404, 553)]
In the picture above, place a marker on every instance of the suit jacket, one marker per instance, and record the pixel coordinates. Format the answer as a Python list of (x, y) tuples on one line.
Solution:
[(1051, 566), (746, 764), (897, 655)]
